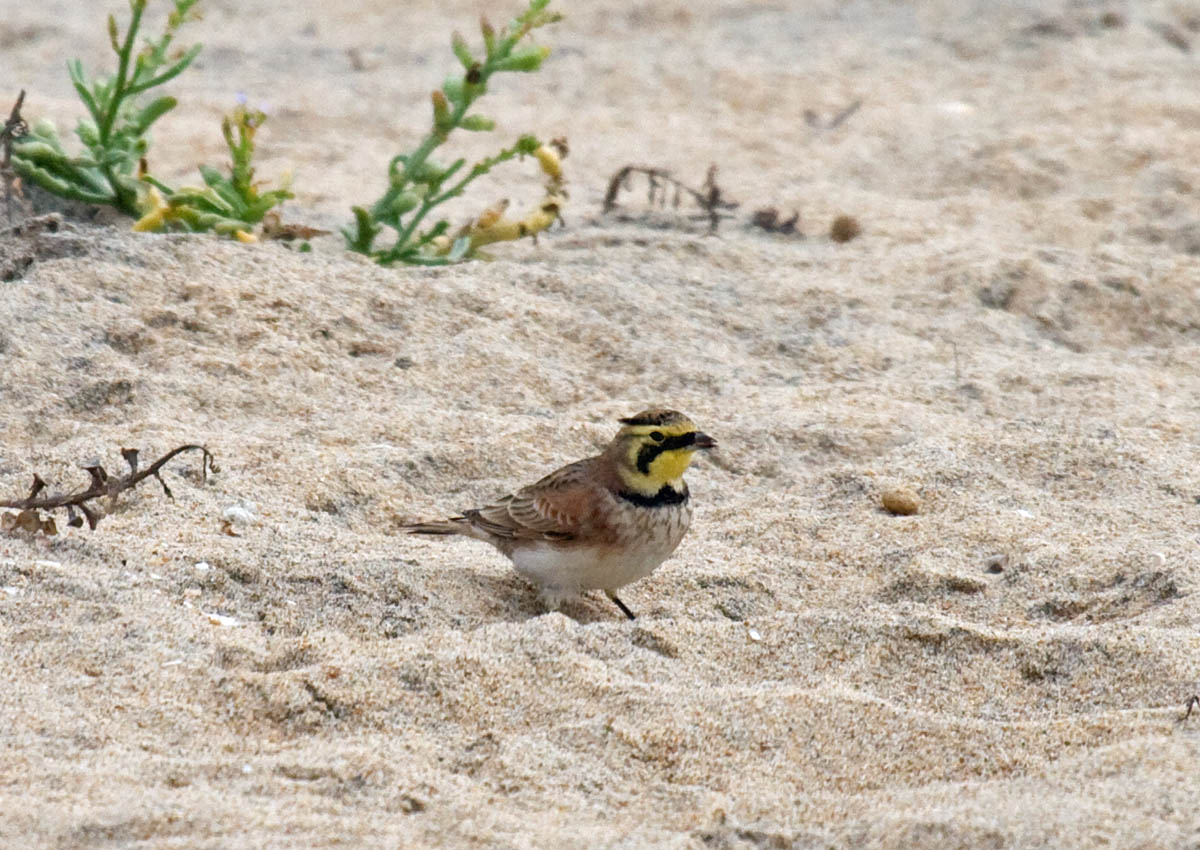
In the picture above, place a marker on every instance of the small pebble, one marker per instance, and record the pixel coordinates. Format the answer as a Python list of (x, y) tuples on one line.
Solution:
[(223, 620), (844, 228), (242, 513), (901, 501), (995, 563)]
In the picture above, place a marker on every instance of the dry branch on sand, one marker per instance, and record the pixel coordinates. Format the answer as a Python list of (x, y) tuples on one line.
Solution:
[(13, 129), (102, 484), (660, 184)]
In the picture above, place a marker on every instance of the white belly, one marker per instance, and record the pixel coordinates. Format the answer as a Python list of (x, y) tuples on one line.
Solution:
[(583, 568), (570, 569)]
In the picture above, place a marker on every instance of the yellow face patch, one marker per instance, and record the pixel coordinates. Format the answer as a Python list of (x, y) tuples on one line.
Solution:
[(657, 456), (669, 466)]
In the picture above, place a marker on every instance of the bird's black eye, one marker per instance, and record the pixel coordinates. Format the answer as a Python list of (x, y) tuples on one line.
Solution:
[(656, 436)]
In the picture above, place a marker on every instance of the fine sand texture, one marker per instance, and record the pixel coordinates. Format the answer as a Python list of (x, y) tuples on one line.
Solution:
[(265, 661)]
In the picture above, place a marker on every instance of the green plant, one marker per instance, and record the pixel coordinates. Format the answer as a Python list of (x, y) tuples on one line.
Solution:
[(112, 168), (417, 184), (109, 169), (228, 205)]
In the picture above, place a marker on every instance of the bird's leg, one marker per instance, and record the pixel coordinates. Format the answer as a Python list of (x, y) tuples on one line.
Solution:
[(624, 608)]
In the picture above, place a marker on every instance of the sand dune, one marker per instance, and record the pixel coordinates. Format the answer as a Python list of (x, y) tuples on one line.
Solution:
[(1015, 337)]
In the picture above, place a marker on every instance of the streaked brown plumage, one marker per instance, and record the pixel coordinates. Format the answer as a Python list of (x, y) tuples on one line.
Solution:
[(598, 523)]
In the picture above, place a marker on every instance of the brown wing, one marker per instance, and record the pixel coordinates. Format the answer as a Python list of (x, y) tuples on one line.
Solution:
[(556, 508)]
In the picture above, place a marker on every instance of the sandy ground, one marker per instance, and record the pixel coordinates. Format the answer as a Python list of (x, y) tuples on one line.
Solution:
[(1015, 336)]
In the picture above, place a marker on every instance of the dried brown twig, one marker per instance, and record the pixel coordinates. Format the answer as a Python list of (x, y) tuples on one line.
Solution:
[(772, 221), (102, 484), (14, 128), (812, 119), (660, 184)]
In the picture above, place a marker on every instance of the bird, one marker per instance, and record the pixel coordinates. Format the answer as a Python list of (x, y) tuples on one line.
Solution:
[(599, 523)]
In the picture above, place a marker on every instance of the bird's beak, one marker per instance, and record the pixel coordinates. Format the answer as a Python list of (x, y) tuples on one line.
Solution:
[(703, 441)]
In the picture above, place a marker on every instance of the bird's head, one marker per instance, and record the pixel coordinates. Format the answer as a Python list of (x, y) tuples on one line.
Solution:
[(653, 449)]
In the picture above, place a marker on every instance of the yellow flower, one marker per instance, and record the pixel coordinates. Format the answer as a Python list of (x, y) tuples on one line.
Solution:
[(157, 214)]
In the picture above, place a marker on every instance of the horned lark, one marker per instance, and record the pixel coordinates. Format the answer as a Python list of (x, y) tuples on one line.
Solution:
[(599, 523)]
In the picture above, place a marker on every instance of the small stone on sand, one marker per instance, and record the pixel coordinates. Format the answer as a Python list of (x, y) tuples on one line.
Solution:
[(901, 501)]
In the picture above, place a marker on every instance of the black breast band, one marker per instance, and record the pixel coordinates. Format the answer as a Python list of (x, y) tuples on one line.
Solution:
[(666, 495)]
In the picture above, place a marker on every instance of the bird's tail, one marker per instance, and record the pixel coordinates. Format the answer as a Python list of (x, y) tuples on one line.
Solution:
[(447, 526)]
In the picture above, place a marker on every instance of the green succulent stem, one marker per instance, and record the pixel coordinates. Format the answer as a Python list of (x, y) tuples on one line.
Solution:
[(117, 91), (451, 105), (114, 136), (414, 161), (230, 205)]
